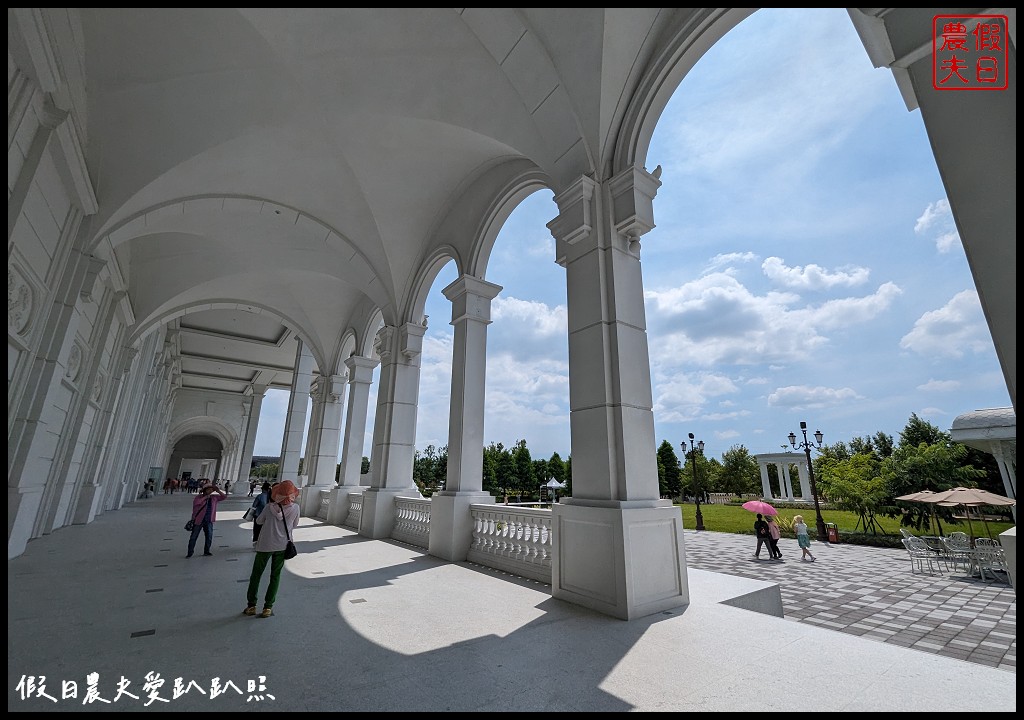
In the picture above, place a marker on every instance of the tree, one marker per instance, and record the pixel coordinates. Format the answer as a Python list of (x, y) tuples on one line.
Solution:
[(364, 467), (936, 467), (523, 472), (919, 431), (854, 484), (669, 478), (430, 469), (740, 472), (556, 467), (490, 479)]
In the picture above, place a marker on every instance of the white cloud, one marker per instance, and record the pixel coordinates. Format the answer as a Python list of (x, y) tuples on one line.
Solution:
[(678, 397), (939, 385), (725, 261), (938, 218), (802, 397), (812, 277), (726, 434), (717, 320), (957, 328)]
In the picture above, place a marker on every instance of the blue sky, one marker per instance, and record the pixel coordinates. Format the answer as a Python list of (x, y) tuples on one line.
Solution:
[(805, 266)]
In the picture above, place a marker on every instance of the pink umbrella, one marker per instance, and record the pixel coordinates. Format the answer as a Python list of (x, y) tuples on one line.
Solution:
[(759, 506)]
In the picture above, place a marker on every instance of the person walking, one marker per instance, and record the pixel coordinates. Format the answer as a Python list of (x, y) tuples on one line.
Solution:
[(204, 514), (761, 531), (279, 517), (258, 504), (803, 538), (774, 535)]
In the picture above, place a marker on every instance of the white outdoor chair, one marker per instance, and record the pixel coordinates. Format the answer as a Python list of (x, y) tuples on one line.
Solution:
[(921, 555)]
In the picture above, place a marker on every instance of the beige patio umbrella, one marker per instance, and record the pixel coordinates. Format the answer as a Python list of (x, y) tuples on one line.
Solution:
[(924, 496), (971, 497)]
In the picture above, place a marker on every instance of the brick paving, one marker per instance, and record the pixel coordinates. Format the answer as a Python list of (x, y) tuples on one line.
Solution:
[(871, 592)]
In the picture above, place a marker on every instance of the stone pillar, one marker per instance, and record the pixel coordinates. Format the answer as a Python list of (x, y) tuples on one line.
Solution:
[(332, 398), (316, 418), (618, 546), (394, 427), (766, 481), (787, 484), (295, 420), (360, 375), (451, 523), (255, 406)]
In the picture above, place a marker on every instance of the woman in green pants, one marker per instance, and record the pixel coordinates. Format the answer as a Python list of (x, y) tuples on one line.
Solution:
[(278, 519)]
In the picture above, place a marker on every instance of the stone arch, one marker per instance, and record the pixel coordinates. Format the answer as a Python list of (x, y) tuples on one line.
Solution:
[(685, 45), (424, 279), (517, 189)]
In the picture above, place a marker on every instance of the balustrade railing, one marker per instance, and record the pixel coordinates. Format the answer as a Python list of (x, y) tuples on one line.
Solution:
[(412, 521), (355, 511), (515, 540), (325, 505)]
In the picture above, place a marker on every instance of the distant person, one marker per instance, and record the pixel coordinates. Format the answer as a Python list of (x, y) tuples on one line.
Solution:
[(258, 504), (252, 486), (204, 514), (774, 535), (803, 539), (761, 531), (279, 518)]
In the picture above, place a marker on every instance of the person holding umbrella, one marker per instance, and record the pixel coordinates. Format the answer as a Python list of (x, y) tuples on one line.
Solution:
[(761, 531)]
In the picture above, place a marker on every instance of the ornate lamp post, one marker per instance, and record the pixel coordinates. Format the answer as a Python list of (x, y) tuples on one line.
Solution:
[(696, 491), (806, 447)]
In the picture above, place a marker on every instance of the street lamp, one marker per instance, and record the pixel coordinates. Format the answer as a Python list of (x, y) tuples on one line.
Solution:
[(806, 447), (696, 491)]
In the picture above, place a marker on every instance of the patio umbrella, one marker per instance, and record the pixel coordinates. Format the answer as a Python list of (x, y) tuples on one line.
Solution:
[(759, 506), (924, 496), (973, 497)]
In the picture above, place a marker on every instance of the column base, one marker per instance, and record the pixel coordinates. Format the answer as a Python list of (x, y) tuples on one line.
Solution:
[(88, 499), (22, 507), (451, 523), (624, 561), (378, 516), (341, 503), (309, 499)]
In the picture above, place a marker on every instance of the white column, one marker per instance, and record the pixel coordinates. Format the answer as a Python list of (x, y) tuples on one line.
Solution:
[(451, 524), (332, 398), (394, 427), (787, 483), (766, 481), (295, 420), (255, 406), (316, 417), (360, 375), (620, 547)]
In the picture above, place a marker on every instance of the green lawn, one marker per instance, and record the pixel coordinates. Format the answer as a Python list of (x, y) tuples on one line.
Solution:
[(734, 519)]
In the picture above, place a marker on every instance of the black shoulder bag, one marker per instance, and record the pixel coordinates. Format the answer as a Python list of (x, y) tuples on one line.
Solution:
[(290, 550), (192, 523)]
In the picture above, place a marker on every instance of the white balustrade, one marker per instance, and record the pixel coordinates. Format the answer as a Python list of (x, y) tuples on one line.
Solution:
[(355, 511), (516, 540), (325, 505), (412, 521)]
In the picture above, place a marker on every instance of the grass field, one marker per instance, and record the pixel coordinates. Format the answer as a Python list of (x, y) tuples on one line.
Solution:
[(734, 519)]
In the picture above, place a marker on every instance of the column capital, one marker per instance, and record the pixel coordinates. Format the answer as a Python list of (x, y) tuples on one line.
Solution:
[(575, 219), (471, 298), (632, 194), (360, 369)]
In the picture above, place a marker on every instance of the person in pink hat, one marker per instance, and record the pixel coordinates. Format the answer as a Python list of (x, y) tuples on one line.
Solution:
[(278, 519)]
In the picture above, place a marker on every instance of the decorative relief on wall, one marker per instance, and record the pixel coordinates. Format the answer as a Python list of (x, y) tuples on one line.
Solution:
[(97, 388), (74, 367), (20, 301)]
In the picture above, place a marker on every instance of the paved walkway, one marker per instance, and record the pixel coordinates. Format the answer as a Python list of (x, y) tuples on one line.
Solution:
[(871, 592), (373, 625)]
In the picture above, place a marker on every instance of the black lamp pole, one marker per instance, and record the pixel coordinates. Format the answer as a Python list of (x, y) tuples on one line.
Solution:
[(806, 446), (696, 491)]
